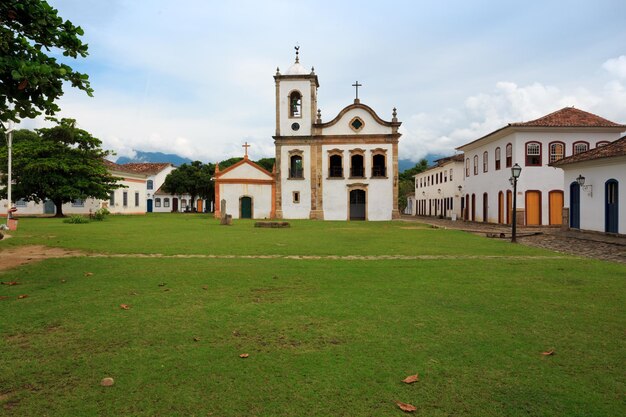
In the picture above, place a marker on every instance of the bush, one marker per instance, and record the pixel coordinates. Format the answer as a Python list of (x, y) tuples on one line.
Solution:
[(100, 214), (76, 219)]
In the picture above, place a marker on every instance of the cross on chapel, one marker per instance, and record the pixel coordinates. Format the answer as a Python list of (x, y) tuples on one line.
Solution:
[(246, 146), (357, 85)]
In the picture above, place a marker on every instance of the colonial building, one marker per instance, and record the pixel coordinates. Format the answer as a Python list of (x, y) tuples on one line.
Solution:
[(592, 181), (343, 169), (534, 145), (438, 190), (156, 174), (248, 190)]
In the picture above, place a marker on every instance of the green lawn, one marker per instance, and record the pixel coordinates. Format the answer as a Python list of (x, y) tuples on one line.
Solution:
[(325, 337)]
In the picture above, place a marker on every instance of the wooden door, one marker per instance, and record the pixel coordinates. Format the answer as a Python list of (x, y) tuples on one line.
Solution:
[(200, 206), (611, 211), (473, 207), (149, 205), (533, 208), (509, 206), (500, 207), (174, 204), (574, 205), (246, 207), (556, 207), (485, 207), (357, 205)]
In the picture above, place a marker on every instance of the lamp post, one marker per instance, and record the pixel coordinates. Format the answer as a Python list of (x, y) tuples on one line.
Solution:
[(9, 133), (516, 170)]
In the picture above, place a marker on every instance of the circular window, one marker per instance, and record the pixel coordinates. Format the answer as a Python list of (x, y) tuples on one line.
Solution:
[(295, 126)]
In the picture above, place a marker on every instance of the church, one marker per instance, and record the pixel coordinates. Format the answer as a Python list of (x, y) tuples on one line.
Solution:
[(343, 169)]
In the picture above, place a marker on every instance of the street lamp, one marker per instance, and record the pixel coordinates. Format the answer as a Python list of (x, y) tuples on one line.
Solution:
[(515, 173), (9, 133)]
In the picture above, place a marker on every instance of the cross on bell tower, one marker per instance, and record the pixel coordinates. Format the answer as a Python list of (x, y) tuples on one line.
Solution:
[(356, 85)]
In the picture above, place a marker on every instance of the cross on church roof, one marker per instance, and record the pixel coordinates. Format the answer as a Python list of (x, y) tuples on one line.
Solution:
[(246, 146), (357, 85)]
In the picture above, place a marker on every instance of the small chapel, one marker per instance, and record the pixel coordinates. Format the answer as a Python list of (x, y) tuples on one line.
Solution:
[(343, 169)]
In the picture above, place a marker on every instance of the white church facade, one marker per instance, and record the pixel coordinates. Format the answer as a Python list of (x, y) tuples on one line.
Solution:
[(344, 169)]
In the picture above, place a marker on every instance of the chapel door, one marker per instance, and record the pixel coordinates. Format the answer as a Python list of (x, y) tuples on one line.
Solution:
[(149, 205), (574, 205), (357, 205), (611, 210), (556, 207), (245, 207), (533, 208), (500, 207), (174, 204)]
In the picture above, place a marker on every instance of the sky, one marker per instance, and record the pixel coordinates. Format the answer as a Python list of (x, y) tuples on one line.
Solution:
[(195, 77)]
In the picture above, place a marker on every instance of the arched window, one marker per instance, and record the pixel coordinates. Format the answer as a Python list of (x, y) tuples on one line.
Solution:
[(150, 184), (335, 166), (295, 104), (533, 154), (509, 155), (557, 151), (295, 167), (475, 164), (580, 147), (602, 143), (485, 161), (157, 202), (467, 167), (497, 158), (379, 168), (166, 202), (357, 169)]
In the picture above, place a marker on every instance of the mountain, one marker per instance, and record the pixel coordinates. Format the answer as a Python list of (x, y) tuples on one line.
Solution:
[(404, 164), (142, 156)]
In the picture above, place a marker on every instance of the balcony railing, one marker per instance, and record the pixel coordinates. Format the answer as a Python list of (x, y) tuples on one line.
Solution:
[(335, 172), (296, 173), (357, 172), (379, 171)]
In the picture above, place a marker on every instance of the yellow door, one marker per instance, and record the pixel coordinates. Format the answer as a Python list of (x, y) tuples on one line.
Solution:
[(500, 207), (556, 207), (199, 206), (533, 208), (509, 206)]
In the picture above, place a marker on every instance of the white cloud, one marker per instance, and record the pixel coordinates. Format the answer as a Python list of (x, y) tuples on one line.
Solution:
[(616, 66)]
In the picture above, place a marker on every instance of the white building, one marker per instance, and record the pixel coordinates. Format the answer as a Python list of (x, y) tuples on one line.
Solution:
[(438, 190), (344, 169), (533, 145), (592, 181), (248, 189), (156, 174)]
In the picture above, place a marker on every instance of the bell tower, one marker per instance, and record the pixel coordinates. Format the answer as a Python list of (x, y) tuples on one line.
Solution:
[(296, 100)]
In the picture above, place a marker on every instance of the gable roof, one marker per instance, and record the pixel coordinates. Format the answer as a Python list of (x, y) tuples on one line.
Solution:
[(613, 149), (567, 117), (245, 160), (112, 166), (149, 168)]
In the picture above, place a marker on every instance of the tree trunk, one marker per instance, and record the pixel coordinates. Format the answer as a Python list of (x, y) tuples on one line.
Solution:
[(59, 208), (194, 208)]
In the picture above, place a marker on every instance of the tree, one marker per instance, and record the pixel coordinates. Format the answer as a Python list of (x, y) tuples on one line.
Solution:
[(31, 80), (62, 164), (406, 185), (193, 179), (266, 163), (228, 162)]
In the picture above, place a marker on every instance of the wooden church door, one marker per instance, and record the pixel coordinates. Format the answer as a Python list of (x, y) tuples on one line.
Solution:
[(357, 205), (246, 207)]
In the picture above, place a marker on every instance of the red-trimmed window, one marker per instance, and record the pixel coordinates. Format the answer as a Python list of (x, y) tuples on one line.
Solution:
[(485, 161), (602, 143), (475, 164), (509, 155), (497, 158), (533, 154), (557, 151), (467, 167), (580, 147)]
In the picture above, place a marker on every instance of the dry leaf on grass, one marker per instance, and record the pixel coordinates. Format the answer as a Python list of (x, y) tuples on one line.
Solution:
[(411, 379), (409, 408), (196, 339), (88, 274), (107, 382), (19, 297), (10, 283), (124, 306), (163, 284), (548, 352), (205, 287), (244, 355)]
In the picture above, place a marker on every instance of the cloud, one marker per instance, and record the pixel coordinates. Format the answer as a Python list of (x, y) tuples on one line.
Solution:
[(616, 66)]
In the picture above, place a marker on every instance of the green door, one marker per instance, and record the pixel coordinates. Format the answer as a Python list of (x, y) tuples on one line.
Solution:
[(246, 207)]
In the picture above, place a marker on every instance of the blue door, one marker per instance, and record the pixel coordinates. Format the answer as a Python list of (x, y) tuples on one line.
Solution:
[(574, 205), (611, 208), (149, 205)]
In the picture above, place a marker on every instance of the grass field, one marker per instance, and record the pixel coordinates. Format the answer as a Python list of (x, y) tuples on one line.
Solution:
[(325, 337)]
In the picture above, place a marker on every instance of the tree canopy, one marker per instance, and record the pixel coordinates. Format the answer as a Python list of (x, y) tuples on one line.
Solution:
[(193, 179), (406, 185), (31, 78), (62, 164)]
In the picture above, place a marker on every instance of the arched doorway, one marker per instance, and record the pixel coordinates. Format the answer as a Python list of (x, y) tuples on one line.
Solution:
[(149, 205), (533, 208), (357, 205), (611, 212), (500, 207), (245, 208), (174, 204), (473, 207), (555, 199), (485, 207), (574, 205), (509, 206), (467, 204)]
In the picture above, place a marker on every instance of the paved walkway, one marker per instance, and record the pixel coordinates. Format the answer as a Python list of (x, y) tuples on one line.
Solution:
[(590, 245)]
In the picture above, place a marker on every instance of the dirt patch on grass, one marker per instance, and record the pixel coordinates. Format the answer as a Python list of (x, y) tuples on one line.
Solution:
[(21, 255)]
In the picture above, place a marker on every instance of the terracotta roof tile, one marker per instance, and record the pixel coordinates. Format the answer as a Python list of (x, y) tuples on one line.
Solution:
[(569, 117), (147, 168), (613, 149)]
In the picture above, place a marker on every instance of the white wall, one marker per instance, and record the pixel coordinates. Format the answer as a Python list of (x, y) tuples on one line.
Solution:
[(285, 88), (342, 127), (425, 190), (291, 210), (592, 202), (261, 195), (133, 187)]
